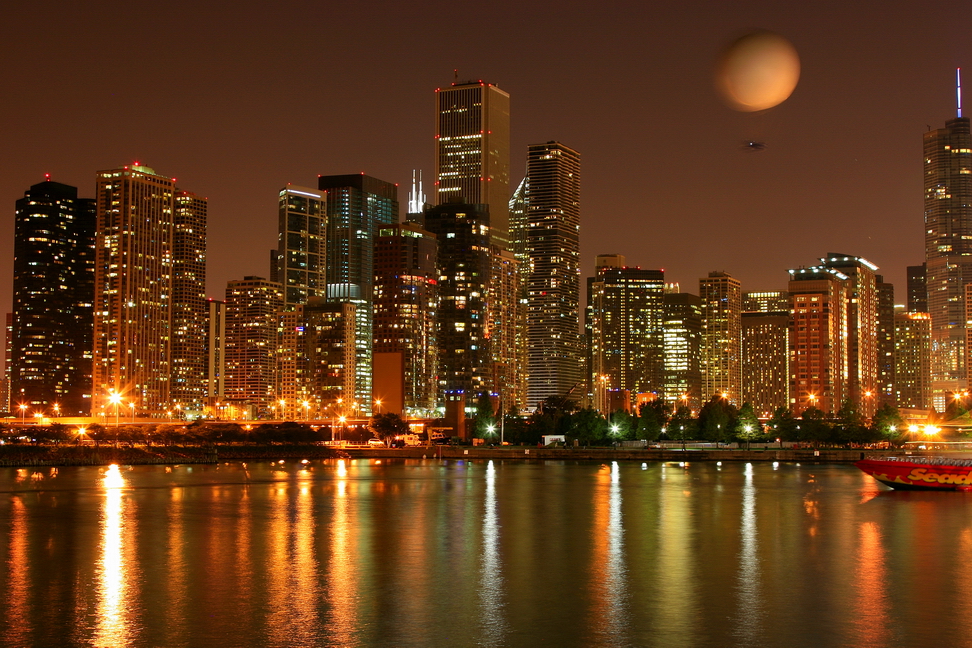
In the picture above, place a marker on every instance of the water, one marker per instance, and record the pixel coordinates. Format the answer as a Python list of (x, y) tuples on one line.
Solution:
[(363, 553)]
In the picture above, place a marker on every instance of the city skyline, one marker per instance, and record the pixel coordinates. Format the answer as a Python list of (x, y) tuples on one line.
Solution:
[(635, 95)]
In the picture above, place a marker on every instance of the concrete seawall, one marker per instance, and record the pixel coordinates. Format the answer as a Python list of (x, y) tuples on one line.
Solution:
[(523, 453)]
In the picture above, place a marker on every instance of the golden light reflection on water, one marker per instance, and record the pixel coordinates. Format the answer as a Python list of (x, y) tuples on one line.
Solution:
[(491, 613), (609, 563), (675, 618), (748, 585), (871, 618), (18, 584), (341, 588), (111, 627)]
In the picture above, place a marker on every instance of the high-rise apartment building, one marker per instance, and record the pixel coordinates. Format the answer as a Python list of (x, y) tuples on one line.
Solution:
[(405, 306), (464, 276), (862, 330), (301, 257), (134, 312), (53, 289), (623, 321), (948, 250), (885, 341), (216, 350), (472, 150), (818, 339), (507, 329), (552, 248), (912, 360), (5, 401), (189, 360), (765, 360), (768, 301), (358, 206), (682, 350), (252, 304), (721, 296)]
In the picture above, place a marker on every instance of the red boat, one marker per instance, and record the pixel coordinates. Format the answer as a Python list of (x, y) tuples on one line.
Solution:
[(920, 473)]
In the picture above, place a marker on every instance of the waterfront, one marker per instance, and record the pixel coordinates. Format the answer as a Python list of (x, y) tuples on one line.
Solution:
[(366, 552)]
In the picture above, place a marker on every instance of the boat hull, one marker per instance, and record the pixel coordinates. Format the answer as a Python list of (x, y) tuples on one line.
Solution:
[(907, 475)]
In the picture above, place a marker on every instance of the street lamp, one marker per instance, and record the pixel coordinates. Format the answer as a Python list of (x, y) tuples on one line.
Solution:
[(306, 410), (378, 405), (283, 408), (132, 405), (23, 414), (57, 410), (115, 398)]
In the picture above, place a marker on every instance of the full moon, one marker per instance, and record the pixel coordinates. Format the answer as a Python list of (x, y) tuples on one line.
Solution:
[(758, 71)]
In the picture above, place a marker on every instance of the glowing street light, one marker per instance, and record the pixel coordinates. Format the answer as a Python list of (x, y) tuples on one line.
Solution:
[(23, 414), (115, 399)]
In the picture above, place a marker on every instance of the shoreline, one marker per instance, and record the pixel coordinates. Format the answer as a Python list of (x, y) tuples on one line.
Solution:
[(25, 456)]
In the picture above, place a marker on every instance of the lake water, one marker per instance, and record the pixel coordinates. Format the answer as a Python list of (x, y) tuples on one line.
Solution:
[(452, 553)]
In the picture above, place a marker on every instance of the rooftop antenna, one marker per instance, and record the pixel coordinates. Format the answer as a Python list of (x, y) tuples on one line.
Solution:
[(958, 89)]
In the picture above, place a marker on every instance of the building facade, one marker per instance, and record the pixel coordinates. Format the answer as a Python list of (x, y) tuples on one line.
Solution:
[(301, 256), (49, 365), (765, 361), (912, 360), (472, 151), (721, 336), (189, 308), (406, 301), (358, 206), (623, 322), (553, 255), (682, 349), (136, 248), (252, 304), (818, 339), (948, 250)]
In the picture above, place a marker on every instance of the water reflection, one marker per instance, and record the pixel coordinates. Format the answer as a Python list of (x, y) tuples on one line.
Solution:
[(18, 585), (610, 565), (871, 615), (112, 625), (677, 579), (750, 605), (492, 617), (341, 589)]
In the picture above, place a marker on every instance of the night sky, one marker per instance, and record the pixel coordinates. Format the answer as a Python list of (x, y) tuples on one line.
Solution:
[(237, 103)]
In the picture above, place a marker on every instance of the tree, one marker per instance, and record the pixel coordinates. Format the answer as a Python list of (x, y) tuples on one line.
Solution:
[(587, 426), (888, 423), (717, 419), (387, 426), (621, 425), (812, 427), (748, 428), (681, 426), (850, 425), (782, 425), (653, 417), (484, 421)]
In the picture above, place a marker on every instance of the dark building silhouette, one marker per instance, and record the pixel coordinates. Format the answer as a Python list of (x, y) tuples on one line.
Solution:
[(53, 291)]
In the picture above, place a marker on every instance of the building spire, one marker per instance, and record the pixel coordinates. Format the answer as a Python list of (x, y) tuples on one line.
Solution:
[(958, 90), (416, 197)]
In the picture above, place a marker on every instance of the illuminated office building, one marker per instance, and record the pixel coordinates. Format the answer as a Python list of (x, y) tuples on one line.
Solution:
[(301, 256), (948, 250), (912, 360), (405, 305), (885, 341), (137, 248), (472, 151), (53, 289), (358, 206), (623, 322), (917, 289), (682, 349), (721, 296), (818, 339), (552, 250), (252, 304), (5, 405), (771, 301), (507, 329), (216, 350), (465, 271)]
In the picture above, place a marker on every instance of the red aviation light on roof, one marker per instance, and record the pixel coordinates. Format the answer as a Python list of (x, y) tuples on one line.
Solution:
[(47, 176)]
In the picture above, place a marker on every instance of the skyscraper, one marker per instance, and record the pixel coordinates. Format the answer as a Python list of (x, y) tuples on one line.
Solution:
[(464, 274), (912, 360), (818, 339), (252, 305), (137, 244), (552, 249), (721, 336), (301, 257), (472, 159), (682, 326), (405, 306), (358, 206), (189, 309), (624, 316), (50, 360), (862, 329), (948, 250), (765, 360), (885, 341)]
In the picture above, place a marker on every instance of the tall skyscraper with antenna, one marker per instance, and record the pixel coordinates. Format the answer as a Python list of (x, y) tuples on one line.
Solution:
[(948, 247)]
